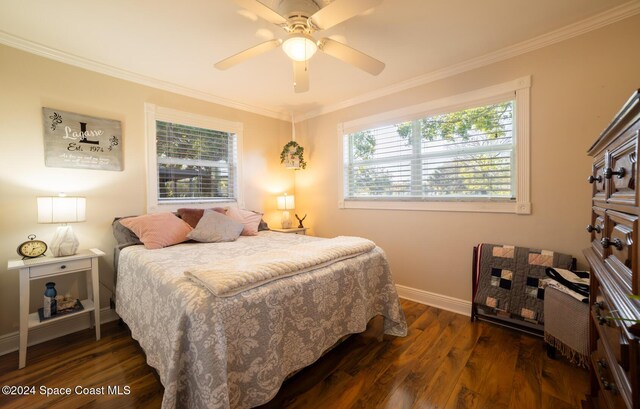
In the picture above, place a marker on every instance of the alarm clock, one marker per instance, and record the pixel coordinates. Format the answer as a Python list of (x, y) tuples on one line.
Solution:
[(32, 248)]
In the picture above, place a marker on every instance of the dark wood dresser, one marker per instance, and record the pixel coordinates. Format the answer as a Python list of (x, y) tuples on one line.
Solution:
[(613, 257)]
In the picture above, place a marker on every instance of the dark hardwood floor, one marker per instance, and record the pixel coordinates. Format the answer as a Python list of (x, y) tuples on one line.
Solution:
[(445, 362)]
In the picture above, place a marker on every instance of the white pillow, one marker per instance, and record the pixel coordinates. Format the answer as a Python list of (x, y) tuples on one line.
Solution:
[(215, 227)]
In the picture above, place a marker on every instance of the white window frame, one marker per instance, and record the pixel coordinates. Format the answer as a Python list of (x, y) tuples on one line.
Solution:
[(517, 90), (155, 113)]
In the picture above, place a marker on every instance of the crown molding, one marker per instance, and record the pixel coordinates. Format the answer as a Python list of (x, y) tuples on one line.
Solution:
[(81, 62), (600, 20)]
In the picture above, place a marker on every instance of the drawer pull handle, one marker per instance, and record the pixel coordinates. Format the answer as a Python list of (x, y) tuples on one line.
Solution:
[(601, 320), (592, 179), (62, 267), (609, 386), (602, 363), (608, 173), (597, 228), (606, 242)]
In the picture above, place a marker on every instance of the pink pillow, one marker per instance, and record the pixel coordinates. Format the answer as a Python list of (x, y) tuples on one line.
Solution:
[(250, 220), (158, 230)]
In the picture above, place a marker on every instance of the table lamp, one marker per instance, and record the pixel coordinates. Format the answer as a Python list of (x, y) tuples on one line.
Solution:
[(62, 209), (286, 203)]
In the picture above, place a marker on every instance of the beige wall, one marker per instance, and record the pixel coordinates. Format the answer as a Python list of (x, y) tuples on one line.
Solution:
[(577, 87), (27, 83)]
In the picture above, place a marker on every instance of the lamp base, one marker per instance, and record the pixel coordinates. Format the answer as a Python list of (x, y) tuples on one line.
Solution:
[(286, 220), (64, 242)]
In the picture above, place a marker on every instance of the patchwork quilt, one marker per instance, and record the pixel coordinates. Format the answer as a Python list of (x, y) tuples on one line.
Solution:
[(509, 280)]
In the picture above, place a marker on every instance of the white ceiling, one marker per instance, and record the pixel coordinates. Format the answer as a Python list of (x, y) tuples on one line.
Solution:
[(175, 44)]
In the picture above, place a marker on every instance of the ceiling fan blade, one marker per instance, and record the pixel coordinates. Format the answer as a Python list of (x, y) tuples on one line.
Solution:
[(248, 53), (339, 11), (262, 11), (301, 76), (350, 56)]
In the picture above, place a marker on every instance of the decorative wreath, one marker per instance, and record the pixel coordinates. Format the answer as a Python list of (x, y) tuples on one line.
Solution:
[(298, 153)]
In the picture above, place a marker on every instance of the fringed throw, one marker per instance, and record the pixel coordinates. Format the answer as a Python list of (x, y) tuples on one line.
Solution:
[(571, 354)]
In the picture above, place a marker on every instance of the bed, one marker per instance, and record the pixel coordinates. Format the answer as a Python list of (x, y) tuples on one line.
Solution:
[(235, 351)]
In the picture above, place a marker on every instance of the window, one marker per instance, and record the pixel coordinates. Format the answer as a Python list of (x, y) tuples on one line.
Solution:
[(192, 159), (463, 153)]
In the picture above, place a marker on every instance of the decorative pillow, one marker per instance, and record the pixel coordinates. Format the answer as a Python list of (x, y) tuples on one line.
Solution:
[(158, 230), (123, 235), (214, 227), (251, 220), (262, 225), (193, 216)]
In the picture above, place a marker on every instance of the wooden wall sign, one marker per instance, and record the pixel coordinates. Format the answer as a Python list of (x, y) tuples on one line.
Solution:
[(81, 141)]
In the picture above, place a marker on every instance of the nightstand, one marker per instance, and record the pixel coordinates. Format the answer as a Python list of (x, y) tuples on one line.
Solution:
[(49, 267), (295, 230)]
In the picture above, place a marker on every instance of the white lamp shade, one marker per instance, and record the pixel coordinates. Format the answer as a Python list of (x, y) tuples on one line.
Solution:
[(61, 209), (299, 47), (286, 202)]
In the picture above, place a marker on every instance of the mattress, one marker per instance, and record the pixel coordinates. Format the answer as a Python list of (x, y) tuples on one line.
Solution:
[(235, 352)]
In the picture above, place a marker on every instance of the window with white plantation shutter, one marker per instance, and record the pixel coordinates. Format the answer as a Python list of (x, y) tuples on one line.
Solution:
[(193, 160), (463, 153)]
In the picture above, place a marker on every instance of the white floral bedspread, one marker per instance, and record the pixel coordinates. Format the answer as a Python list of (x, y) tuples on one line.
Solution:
[(235, 352)]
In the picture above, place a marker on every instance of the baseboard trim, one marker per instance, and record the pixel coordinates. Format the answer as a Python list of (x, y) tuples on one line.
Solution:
[(10, 342), (443, 302)]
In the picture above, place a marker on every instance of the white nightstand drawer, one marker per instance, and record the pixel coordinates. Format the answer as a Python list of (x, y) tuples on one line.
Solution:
[(65, 266)]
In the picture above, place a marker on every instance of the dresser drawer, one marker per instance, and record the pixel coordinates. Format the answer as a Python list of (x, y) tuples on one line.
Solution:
[(619, 242), (610, 392), (598, 180), (73, 265), (621, 172), (610, 333), (597, 229)]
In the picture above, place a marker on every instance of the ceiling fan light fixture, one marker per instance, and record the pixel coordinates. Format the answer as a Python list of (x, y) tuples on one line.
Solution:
[(299, 47)]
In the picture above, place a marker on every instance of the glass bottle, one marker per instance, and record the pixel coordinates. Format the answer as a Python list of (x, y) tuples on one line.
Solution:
[(50, 303)]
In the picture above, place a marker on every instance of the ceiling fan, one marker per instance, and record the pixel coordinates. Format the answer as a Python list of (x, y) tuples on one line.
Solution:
[(300, 19)]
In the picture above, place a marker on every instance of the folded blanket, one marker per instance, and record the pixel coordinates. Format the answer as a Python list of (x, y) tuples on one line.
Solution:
[(573, 283), (230, 277)]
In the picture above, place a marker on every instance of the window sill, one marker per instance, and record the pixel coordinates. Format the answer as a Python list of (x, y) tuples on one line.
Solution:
[(440, 206)]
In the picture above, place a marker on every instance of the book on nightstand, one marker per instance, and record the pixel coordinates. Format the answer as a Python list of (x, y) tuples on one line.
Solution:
[(77, 307)]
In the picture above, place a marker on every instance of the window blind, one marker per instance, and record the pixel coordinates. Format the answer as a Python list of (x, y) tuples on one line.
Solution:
[(195, 164), (466, 155)]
